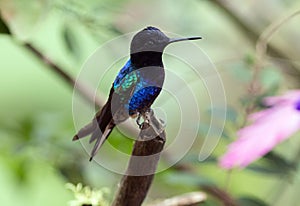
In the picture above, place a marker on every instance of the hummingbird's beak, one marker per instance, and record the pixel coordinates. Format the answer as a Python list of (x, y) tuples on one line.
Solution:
[(184, 39)]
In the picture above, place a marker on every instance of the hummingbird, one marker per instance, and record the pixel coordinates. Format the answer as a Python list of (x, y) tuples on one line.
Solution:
[(135, 87)]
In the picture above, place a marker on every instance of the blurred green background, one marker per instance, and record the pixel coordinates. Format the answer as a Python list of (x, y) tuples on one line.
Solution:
[(37, 156)]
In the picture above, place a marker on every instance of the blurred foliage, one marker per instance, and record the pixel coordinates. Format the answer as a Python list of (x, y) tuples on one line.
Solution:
[(87, 196), (248, 201), (71, 41), (3, 27), (274, 164), (37, 156)]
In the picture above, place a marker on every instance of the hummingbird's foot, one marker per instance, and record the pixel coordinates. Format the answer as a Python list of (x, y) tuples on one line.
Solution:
[(157, 125), (138, 121), (150, 119), (147, 116), (155, 128)]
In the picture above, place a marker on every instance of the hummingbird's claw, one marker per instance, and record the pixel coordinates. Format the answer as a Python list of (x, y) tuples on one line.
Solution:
[(138, 121)]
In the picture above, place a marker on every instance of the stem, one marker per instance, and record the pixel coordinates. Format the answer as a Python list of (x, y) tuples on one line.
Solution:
[(188, 199), (254, 36), (86, 93), (262, 44)]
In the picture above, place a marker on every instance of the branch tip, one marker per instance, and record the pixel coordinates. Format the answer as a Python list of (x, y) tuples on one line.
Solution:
[(75, 138)]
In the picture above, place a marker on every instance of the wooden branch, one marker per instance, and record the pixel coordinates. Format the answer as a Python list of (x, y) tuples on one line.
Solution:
[(142, 165), (86, 93), (188, 199)]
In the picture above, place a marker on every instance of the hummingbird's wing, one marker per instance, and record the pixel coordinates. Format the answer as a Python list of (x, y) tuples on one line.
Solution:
[(114, 111), (125, 86), (100, 127)]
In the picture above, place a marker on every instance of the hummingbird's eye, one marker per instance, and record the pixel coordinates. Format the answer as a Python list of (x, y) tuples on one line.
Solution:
[(150, 42)]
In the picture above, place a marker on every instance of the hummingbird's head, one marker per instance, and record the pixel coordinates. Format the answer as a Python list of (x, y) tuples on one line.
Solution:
[(149, 39), (153, 40)]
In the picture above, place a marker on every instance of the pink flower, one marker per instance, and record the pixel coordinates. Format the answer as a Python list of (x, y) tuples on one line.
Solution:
[(270, 127)]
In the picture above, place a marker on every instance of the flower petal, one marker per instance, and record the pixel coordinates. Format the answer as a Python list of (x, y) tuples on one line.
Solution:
[(271, 127), (290, 96)]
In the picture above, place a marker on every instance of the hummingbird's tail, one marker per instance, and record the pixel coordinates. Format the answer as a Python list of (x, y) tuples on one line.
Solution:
[(100, 127), (101, 137)]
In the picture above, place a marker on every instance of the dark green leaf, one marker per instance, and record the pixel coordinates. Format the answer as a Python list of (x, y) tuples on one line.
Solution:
[(121, 142), (262, 169), (251, 201), (3, 27), (275, 164), (210, 202), (258, 100), (115, 30), (194, 159), (249, 59), (184, 178), (71, 41)]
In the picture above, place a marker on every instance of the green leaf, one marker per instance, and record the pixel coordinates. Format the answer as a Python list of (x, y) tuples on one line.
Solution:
[(270, 77), (274, 164), (194, 159), (3, 27), (184, 178), (71, 42), (121, 142), (251, 201), (249, 59), (258, 100)]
